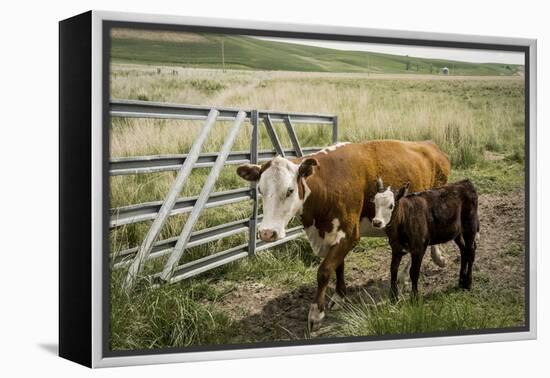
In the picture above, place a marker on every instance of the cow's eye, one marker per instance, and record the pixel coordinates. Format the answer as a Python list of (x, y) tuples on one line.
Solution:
[(289, 192), (391, 206), (259, 190)]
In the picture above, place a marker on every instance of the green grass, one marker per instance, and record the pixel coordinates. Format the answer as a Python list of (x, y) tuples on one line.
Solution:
[(448, 310), (493, 177), (288, 266), (243, 52), (173, 315), (514, 250), (188, 313)]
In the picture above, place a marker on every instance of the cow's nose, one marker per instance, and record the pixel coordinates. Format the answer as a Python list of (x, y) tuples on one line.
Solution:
[(268, 235), (377, 223)]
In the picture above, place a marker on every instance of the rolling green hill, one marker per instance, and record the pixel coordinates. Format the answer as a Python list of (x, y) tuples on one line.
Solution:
[(243, 52)]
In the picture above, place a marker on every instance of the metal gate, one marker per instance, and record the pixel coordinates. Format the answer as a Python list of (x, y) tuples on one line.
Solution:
[(159, 211)]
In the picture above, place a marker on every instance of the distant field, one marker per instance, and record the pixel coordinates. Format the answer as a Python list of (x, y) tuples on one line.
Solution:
[(478, 121), (464, 116), (244, 52)]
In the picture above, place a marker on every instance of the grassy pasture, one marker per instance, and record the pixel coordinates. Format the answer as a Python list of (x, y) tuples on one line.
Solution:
[(244, 52), (478, 122)]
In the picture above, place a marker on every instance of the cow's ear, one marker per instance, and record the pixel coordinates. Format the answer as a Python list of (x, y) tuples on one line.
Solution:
[(306, 167), (250, 172), (403, 191), (379, 185)]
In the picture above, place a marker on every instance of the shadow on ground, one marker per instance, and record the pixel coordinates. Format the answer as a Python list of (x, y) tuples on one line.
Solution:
[(285, 317), (51, 348)]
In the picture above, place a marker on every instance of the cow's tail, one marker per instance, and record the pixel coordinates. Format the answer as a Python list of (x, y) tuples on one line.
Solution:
[(442, 170), (441, 166), (477, 237)]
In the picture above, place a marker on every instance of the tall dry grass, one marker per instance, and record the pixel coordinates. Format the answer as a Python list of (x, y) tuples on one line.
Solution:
[(464, 117)]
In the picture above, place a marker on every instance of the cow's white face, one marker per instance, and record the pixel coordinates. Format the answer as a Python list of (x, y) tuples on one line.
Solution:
[(279, 184), (384, 202), (279, 189)]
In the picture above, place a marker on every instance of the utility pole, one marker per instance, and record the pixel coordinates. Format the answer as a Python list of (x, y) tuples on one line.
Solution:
[(223, 57)]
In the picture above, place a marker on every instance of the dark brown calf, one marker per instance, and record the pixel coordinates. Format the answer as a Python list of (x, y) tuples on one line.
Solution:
[(414, 221)]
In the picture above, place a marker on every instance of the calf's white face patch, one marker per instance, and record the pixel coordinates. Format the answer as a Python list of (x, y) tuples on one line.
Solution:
[(281, 201), (384, 203), (368, 230)]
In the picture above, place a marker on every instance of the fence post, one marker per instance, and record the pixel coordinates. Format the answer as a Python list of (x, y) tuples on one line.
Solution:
[(253, 186), (183, 239), (334, 129), (169, 201)]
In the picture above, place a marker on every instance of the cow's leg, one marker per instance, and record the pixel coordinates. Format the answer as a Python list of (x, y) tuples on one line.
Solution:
[(396, 256), (436, 256), (403, 275), (334, 258), (417, 254), (317, 308), (338, 297)]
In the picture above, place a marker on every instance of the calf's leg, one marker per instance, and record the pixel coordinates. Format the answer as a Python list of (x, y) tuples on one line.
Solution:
[(464, 258), (417, 255), (468, 278), (396, 256)]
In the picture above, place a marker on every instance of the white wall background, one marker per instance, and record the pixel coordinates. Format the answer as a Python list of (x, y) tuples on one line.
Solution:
[(28, 152)]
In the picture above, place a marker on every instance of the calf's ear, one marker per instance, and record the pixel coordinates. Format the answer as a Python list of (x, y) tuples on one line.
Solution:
[(250, 172), (306, 167), (403, 191)]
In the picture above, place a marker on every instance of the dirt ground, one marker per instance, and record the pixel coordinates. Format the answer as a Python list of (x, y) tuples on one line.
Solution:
[(271, 313)]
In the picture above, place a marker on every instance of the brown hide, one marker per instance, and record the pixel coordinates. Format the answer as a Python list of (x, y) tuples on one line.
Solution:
[(344, 182), (435, 216)]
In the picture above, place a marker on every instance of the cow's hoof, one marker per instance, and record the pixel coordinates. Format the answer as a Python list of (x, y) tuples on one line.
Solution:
[(440, 263), (402, 278), (437, 258), (314, 317), (336, 302), (394, 295), (465, 284)]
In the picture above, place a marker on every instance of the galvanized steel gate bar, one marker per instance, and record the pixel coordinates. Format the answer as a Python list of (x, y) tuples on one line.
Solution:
[(159, 211), (169, 201), (203, 197)]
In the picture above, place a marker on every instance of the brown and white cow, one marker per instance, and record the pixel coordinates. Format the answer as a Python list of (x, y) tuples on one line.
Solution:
[(414, 221), (332, 191)]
